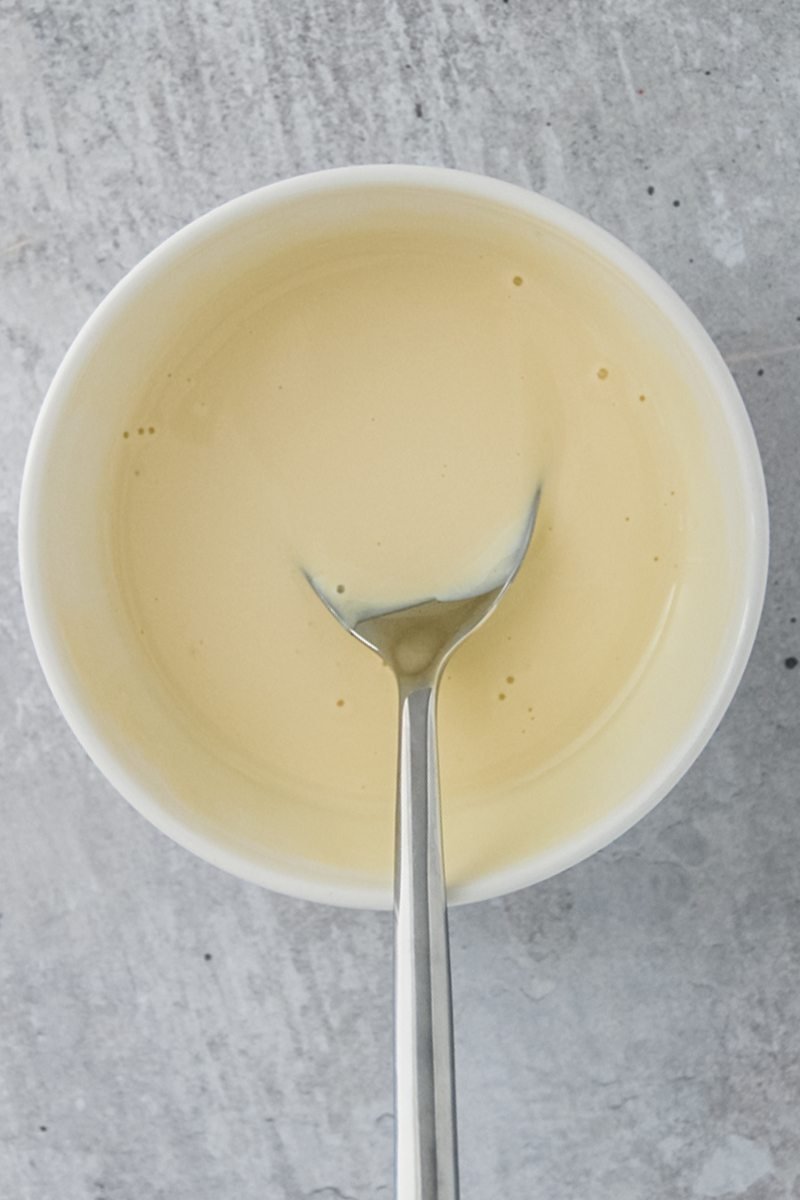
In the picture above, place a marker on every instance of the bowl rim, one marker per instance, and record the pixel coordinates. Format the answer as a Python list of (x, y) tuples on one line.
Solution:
[(719, 690)]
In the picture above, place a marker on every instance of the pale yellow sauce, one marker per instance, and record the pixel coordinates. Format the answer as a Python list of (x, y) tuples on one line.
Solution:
[(378, 411)]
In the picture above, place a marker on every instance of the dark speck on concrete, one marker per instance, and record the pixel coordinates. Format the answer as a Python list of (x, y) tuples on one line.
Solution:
[(207, 957), (418, 108), (651, 191), (43, 1129), (792, 621), (676, 203), (760, 371), (790, 662)]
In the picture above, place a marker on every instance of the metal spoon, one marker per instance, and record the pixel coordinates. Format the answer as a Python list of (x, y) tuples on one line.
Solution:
[(416, 643)]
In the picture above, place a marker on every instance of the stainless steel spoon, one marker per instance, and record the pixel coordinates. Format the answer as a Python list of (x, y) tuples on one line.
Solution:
[(416, 643)]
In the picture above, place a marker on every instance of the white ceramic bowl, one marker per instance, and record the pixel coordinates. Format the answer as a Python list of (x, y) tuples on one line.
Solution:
[(41, 541)]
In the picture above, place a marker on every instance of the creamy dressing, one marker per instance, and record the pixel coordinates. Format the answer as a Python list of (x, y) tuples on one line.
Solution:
[(378, 411)]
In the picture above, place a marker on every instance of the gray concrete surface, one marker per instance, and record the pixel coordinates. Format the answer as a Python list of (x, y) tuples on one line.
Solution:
[(627, 1031)]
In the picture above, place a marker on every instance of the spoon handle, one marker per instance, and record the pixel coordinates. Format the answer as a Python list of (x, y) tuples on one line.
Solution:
[(426, 1165)]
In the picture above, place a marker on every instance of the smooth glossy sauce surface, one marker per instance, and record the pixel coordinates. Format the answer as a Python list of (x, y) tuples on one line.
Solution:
[(379, 412)]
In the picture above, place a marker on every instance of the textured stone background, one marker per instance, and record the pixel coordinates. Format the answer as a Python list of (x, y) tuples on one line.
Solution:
[(628, 1030)]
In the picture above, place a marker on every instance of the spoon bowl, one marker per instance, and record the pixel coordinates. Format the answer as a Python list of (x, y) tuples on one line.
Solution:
[(416, 640)]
